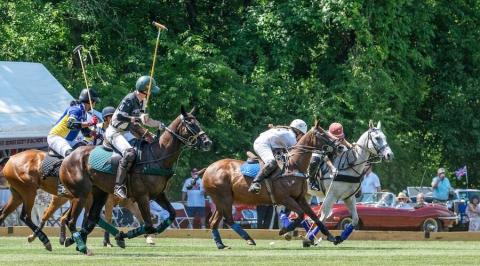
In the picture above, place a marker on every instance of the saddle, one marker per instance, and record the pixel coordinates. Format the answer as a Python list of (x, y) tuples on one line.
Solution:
[(254, 163), (51, 164)]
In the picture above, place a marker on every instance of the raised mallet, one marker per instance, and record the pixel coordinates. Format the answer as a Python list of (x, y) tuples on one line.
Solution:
[(160, 27)]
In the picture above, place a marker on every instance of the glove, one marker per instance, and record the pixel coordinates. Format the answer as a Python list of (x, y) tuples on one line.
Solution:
[(135, 119), (161, 126), (93, 121), (144, 118), (334, 172), (148, 137)]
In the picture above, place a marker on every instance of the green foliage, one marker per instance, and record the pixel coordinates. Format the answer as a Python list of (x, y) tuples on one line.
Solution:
[(245, 64)]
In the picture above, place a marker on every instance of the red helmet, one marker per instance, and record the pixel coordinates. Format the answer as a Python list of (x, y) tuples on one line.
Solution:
[(336, 129)]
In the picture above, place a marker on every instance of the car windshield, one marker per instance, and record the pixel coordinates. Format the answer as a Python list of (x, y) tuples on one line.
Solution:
[(378, 198), (466, 195)]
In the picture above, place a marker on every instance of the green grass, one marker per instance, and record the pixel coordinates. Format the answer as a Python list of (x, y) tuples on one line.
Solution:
[(173, 251)]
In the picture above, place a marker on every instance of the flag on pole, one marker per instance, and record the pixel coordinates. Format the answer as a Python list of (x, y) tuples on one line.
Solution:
[(461, 172)]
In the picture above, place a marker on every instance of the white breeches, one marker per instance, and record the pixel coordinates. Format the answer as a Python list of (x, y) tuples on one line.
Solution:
[(117, 139), (59, 144)]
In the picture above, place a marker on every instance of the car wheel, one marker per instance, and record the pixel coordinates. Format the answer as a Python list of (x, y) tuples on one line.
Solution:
[(432, 224), (344, 222)]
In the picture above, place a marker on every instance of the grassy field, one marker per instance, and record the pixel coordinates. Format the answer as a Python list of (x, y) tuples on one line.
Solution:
[(172, 251)]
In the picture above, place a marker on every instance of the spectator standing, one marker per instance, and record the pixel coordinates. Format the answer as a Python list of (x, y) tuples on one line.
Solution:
[(371, 182), (194, 194), (473, 213), (441, 186)]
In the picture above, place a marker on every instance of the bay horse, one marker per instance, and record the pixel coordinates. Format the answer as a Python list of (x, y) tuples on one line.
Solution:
[(225, 184), (371, 147), (56, 202), (81, 179)]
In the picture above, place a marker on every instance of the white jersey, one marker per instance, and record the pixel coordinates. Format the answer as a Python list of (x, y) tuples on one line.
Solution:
[(278, 138)]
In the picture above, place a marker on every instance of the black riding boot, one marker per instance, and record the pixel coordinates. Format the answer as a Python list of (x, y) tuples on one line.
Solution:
[(312, 172), (264, 172), (124, 166), (120, 189)]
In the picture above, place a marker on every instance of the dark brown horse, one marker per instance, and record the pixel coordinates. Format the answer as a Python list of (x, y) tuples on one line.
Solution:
[(225, 184), (81, 180), (23, 173)]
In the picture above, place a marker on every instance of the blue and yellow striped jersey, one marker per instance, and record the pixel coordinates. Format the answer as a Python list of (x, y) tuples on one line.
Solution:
[(76, 113)]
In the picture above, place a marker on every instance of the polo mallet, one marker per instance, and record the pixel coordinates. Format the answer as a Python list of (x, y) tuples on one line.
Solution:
[(160, 27), (78, 50)]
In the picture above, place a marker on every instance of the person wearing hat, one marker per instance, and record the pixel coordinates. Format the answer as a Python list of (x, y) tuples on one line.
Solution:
[(63, 136), (129, 117), (336, 129), (194, 195), (280, 137), (99, 136), (441, 186), (402, 201)]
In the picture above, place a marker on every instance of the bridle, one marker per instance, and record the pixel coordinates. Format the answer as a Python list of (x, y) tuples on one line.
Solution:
[(192, 140)]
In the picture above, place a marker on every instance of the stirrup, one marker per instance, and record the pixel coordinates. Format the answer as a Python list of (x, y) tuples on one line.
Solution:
[(255, 188), (120, 191), (61, 190)]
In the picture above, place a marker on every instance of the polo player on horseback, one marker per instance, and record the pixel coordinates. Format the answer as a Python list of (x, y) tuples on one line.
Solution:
[(336, 130), (278, 137), (128, 117), (62, 136)]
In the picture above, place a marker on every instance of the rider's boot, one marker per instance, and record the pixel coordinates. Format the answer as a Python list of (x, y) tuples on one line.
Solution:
[(267, 169), (124, 165), (313, 170), (61, 190)]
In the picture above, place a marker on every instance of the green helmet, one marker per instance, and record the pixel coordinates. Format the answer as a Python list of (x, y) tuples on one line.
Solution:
[(143, 82)]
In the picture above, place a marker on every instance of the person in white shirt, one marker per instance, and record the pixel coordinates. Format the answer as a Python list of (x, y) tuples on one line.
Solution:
[(275, 138), (194, 194), (371, 182)]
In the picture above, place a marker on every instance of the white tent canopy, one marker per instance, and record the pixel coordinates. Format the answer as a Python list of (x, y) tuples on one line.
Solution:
[(31, 100)]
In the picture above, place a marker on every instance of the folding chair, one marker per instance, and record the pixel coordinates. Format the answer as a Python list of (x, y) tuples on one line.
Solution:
[(181, 216)]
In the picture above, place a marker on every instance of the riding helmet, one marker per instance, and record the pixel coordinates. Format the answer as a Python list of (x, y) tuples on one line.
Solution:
[(143, 82), (83, 98)]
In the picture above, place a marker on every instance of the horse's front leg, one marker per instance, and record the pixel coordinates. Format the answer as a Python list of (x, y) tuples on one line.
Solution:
[(321, 227), (350, 203), (162, 200), (144, 206), (99, 199)]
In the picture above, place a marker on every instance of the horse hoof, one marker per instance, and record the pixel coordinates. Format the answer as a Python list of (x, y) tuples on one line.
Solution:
[(150, 240), (222, 246), (107, 244), (287, 236), (89, 252), (282, 231), (307, 243), (31, 238), (61, 240), (68, 242), (120, 240), (48, 246), (251, 242)]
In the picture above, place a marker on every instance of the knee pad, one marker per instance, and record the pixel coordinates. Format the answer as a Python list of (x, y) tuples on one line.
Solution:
[(129, 155)]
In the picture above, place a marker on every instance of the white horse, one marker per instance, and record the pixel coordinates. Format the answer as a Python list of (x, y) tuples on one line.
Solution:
[(351, 166)]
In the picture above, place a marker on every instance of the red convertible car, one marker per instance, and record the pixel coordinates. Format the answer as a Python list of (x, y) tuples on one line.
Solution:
[(381, 211)]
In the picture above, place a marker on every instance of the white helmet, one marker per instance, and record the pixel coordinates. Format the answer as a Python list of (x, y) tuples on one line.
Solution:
[(300, 125)]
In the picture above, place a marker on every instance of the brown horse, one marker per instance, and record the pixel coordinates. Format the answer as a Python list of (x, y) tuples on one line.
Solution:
[(225, 184), (81, 180), (23, 173), (56, 202)]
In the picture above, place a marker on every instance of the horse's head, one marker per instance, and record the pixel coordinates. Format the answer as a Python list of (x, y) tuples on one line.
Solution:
[(318, 138), (190, 132), (376, 142)]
